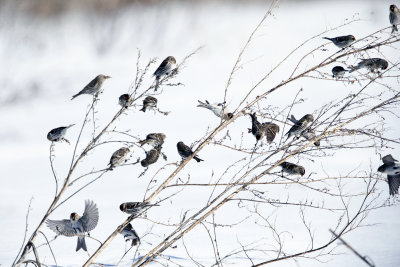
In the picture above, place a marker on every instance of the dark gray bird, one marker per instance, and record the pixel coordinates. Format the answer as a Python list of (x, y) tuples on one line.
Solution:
[(149, 103), (118, 157), (123, 100), (185, 151), (130, 234), (372, 64), (151, 157), (134, 208), (58, 134), (291, 168), (153, 139), (310, 135), (259, 130), (341, 41), (76, 225), (392, 168), (338, 72), (394, 17), (217, 108), (93, 87), (299, 125), (164, 69)]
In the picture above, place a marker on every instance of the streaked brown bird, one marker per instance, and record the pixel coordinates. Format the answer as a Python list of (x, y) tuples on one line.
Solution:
[(291, 168), (372, 64), (164, 69), (259, 130), (149, 103), (93, 88), (299, 125), (153, 139), (151, 157), (394, 17), (118, 157)]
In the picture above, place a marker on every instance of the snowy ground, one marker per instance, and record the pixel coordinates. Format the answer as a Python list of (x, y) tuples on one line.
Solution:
[(45, 62)]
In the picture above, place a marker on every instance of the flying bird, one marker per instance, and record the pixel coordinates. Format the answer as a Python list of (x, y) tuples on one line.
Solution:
[(392, 168), (76, 225), (58, 134), (118, 157), (259, 130), (151, 157), (130, 234), (394, 17), (338, 72), (291, 168), (185, 151), (124, 100), (93, 87), (299, 125), (149, 103), (164, 69), (372, 64), (154, 139), (134, 208), (217, 108), (341, 41)]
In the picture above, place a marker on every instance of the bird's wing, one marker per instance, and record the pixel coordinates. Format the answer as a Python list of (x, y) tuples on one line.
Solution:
[(61, 227), (90, 216), (270, 131), (388, 160), (292, 119), (394, 183), (92, 83)]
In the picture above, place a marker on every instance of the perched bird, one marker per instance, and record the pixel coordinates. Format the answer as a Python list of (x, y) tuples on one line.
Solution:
[(291, 168), (76, 225), (338, 72), (134, 207), (372, 64), (341, 41), (118, 157), (299, 125), (217, 108), (154, 139), (394, 17), (58, 134), (185, 151), (259, 130), (149, 102), (310, 135), (123, 100), (392, 168), (93, 87), (151, 157), (130, 234), (164, 69)]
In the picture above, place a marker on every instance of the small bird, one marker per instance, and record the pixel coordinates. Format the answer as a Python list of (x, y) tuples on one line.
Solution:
[(338, 72), (291, 168), (185, 151), (76, 225), (118, 157), (310, 135), (341, 41), (58, 134), (164, 69), (217, 108), (372, 64), (123, 100), (154, 139), (130, 234), (299, 125), (149, 102), (151, 157), (93, 87), (259, 130), (394, 17), (134, 208), (392, 168)]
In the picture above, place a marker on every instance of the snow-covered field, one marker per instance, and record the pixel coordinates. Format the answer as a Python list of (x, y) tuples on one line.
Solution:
[(44, 62)]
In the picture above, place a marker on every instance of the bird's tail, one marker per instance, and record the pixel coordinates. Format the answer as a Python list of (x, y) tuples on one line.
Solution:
[(157, 83), (75, 96), (142, 142), (327, 38), (292, 119), (197, 159), (394, 28), (81, 243), (203, 105), (69, 126), (143, 108)]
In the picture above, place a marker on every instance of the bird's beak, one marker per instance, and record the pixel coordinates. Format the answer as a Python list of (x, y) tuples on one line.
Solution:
[(107, 77)]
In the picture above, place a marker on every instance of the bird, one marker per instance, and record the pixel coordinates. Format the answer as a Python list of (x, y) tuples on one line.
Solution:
[(341, 41), (291, 168), (299, 125), (259, 130), (93, 87), (58, 134), (217, 108), (123, 100), (164, 69), (310, 135), (118, 157), (392, 168), (372, 64), (394, 17), (151, 157), (77, 225), (338, 72), (149, 102), (154, 139), (134, 208), (130, 234), (185, 151)]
